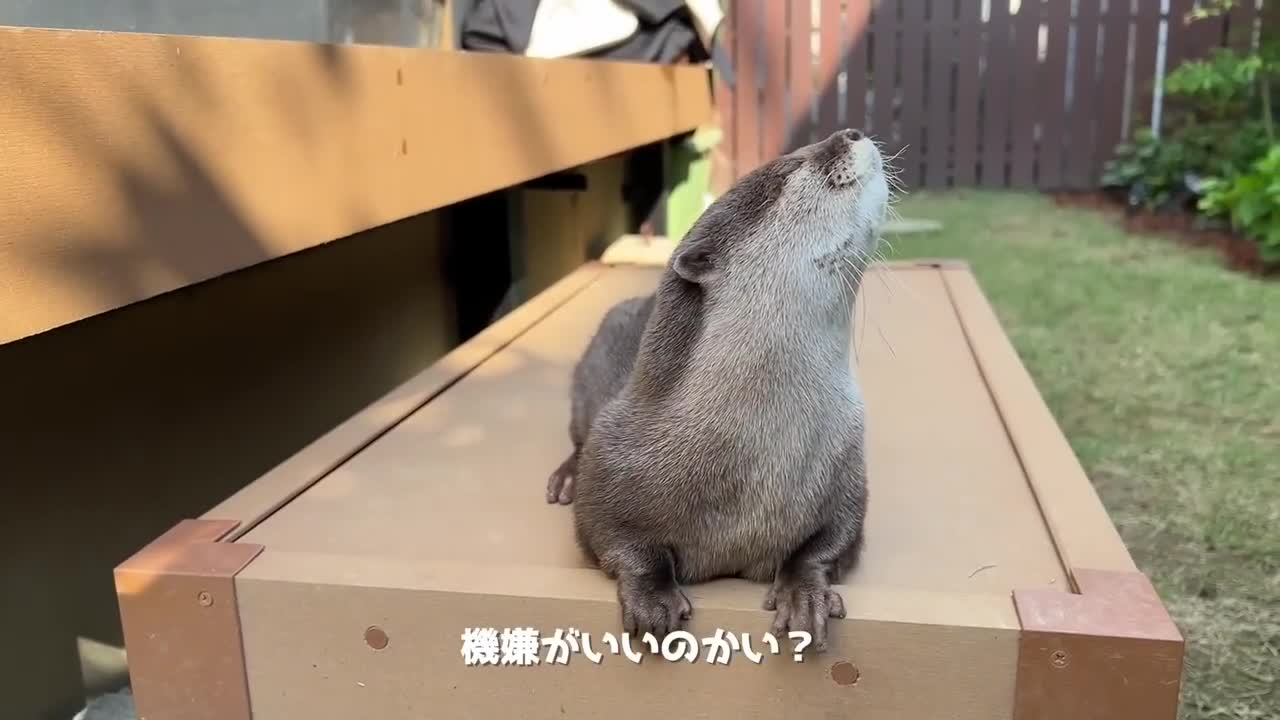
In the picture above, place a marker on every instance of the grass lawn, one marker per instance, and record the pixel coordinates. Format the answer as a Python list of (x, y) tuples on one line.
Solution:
[(1163, 370)]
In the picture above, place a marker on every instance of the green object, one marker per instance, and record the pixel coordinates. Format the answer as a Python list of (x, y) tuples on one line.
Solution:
[(689, 179)]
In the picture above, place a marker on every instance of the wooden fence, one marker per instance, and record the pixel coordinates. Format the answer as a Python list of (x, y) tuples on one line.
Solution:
[(972, 93)]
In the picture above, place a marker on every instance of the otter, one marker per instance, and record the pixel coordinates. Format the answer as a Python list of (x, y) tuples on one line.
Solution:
[(717, 424)]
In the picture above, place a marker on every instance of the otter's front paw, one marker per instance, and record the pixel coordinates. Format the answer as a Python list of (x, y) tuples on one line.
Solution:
[(657, 611), (804, 603), (560, 484)]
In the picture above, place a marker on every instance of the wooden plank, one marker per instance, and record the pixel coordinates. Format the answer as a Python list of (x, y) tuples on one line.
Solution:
[(1180, 39), (885, 28), (1080, 128), (829, 49), (1241, 22), (1052, 97), (305, 617), (1203, 36), (800, 126), (1115, 61), (911, 119), (176, 594), (1026, 69), (942, 45), (996, 105), (968, 91), (1109, 652), (774, 111), (289, 479), (1146, 36), (1082, 531), (137, 164), (746, 28), (856, 19), (724, 156)]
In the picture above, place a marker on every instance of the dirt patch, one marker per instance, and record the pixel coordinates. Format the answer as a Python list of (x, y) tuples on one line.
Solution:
[(1238, 253)]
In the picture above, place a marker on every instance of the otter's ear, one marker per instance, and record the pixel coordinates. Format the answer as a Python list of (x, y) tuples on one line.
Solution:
[(693, 262)]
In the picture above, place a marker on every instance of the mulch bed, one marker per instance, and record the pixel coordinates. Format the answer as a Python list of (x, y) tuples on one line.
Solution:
[(1238, 253)]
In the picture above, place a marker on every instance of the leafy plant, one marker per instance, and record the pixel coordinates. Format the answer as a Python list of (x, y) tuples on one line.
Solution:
[(1252, 201), (1152, 171), (1225, 87)]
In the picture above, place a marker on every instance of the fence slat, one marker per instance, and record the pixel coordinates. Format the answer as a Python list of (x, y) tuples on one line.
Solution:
[(939, 124), (911, 117), (1083, 95), (1178, 43), (747, 141), (1026, 67), (995, 104), (1052, 100), (857, 13), (960, 100), (1115, 61), (1145, 38), (724, 158), (968, 88), (1204, 35), (828, 67), (800, 84), (775, 78), (885, 27), (1240, 25)]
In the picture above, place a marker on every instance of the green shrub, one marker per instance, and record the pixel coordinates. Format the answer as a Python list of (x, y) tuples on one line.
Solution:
[(1252, 201), (1153, 172)]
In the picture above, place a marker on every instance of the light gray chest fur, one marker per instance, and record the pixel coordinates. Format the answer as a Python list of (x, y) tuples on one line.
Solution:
[(741, 464)]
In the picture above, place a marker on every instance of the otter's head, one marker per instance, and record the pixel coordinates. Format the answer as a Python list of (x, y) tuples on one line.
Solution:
[(803, 226)]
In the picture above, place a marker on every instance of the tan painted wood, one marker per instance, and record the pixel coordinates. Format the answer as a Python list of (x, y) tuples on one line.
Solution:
[(305, 619), (137, 164), (1081, 529), (951, 508), (280, 485)]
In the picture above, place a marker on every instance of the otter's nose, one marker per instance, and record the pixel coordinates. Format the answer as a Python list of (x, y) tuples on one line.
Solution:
[(844, 158), (848, 135)]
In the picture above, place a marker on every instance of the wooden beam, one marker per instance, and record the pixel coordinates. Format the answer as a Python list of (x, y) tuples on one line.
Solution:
[(138, 164)]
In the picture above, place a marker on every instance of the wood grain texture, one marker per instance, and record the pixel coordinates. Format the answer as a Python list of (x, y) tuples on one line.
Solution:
[(775, 79), (1052, 97), (885, 67), (1241, 24), (289, 479), (1026, 69), (968, 91), (138, 164), (1082, 531), (490, 439), (747, 33), (304, 619), (1145, 35), (911, 118), (724, 156), (1181, 38), (1084, 106), (996, 104), (857, 17), (829, 49), (800, 83), (940, 122), (1108, 652), (181, 623), (1115, 59)]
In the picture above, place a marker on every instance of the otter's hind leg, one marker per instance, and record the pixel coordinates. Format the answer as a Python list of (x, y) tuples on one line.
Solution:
[(560, 484)]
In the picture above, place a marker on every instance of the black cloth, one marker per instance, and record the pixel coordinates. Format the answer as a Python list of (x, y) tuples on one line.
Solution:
[(666, 32)]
